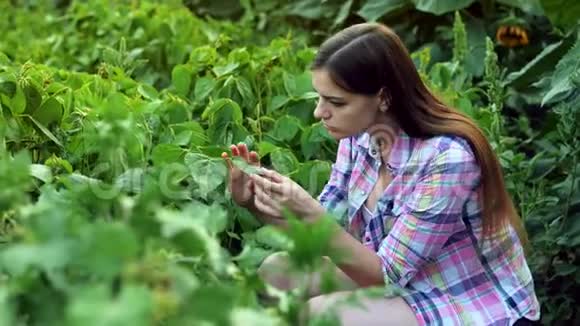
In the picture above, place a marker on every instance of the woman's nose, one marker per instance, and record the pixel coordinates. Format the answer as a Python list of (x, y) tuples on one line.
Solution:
[(320, 112)]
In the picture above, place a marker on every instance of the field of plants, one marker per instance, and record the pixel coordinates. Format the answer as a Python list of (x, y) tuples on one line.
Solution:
[(114, 207)]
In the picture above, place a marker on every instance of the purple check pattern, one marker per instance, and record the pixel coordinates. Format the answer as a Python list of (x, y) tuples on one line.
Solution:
[(427, 231)]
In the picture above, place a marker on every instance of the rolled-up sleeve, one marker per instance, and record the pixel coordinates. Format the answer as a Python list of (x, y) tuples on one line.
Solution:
[(430, 215), (334, 195)]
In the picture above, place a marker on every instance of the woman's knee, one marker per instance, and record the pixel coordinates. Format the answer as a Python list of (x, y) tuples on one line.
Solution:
[(322, 303), (275, 269), (367, 311)]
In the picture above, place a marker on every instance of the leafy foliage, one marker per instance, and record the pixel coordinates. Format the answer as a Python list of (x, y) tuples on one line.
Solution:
[(113, 116)]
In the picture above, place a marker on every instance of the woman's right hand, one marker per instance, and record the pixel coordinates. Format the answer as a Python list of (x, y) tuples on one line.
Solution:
[(240, 184)]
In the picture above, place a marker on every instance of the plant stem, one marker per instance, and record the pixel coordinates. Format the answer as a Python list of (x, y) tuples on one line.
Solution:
[(572, 187)]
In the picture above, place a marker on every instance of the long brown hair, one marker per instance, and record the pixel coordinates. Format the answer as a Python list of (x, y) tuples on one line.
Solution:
[(368, 57)]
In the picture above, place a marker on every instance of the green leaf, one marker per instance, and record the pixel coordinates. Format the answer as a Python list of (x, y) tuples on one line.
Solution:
[(190, 234), (41, 172), (95, 306), (286, 128), (7, 316), (203, 87), (166, 154), (131, 180), (45, 131), (206, 172), (148, 91), (33, 98), (375, 9), (213, 218), (564, 269), (51, 111), (17, 103), (542, 63), (18, 258), (55, 88), (16, 179), (571, 225), (284, 160), (566, 68), (176, 111), (272, 237), (197, 133), (298, 85), (441, 74), (533, 7), (440, 7), (464, 104), (223, 110), (342, 13), (7, 85), (562, 13), (56, 162), (309, 9), (246, 316), (310, 241), (251, 257), (181, 79), (183, 138), (311, 140), (107, 247), (278, 101), (313, 176), (225, 122), (265, 148), (225, 70), (245, 90), (560, 87), (475, 55), (202, 304)]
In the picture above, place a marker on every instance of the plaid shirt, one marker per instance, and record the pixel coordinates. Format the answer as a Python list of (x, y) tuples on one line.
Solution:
[(426, 230)]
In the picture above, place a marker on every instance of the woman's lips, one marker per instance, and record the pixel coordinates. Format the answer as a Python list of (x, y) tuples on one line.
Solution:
[(329, 128)]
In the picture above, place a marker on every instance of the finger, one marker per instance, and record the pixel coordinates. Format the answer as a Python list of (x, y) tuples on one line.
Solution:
[(267, 200), (235, 173), (244, 151), (254, 158), (267, 185), (235, 151), (269, 215), (272, 175), (226, 158), (263, 205)]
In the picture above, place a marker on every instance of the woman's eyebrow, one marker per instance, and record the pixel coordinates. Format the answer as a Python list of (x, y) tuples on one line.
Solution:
[(327, 97), (335, 98)]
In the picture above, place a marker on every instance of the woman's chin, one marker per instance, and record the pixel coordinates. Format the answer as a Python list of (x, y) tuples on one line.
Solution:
[(337, 135)]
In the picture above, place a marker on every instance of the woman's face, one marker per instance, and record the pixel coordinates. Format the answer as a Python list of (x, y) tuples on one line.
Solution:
[(342, 113)]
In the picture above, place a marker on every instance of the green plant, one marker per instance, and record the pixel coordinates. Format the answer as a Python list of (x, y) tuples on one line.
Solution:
[(113, 119)]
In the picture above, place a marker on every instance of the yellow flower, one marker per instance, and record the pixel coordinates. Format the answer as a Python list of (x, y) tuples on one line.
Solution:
[(511, 36)]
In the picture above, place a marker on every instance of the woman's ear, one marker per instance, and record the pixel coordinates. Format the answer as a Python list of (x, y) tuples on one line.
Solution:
[(384, 100)]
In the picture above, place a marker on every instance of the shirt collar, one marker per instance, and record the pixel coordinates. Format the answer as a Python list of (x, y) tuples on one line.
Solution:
[(400, 152)]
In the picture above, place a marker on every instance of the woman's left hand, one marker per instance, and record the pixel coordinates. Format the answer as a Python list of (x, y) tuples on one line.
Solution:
[(273, 192)]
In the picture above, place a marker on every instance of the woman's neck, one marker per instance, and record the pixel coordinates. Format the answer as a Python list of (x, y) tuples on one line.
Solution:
[(383, 134)]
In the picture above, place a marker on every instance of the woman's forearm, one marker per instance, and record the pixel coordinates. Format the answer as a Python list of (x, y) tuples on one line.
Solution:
[(358, 262), (362, 265)]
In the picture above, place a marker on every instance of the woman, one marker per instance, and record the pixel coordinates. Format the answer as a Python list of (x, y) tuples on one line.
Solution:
[(419, 190)]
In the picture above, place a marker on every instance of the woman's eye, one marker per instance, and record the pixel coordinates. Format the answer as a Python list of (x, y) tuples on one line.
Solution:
[(338, 104)]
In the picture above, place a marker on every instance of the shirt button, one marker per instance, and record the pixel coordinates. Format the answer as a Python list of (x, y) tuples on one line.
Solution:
[(363, 192)]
